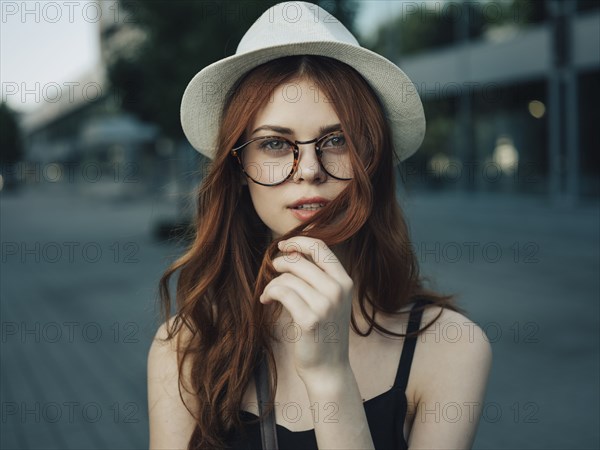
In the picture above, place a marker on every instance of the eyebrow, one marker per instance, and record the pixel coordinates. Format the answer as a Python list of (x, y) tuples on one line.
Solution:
[(283, 130)]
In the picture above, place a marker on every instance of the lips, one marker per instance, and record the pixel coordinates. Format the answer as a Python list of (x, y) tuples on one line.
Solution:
[(309, 203), (302, 214)]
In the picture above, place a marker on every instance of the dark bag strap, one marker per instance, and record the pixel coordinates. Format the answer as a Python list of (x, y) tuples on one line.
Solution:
[(268, 432)]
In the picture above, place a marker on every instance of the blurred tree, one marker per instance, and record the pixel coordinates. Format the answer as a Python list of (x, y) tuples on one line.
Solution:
[(535, 11), (182, 37), (436, 24), (11, 141), (344, 10)]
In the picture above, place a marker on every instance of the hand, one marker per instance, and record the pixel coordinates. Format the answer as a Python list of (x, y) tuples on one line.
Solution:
[(316, 290)]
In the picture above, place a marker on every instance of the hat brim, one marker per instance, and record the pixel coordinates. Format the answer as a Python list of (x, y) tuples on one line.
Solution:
[(204, 97)]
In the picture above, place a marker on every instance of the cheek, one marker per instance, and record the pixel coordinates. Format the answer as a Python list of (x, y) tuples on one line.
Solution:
[(265, 201), (271, 213)]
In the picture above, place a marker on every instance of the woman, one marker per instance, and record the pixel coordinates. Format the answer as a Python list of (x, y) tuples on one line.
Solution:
[(301, 264)]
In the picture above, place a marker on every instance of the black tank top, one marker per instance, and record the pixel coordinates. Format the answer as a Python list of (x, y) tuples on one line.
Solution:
[(385, 413)]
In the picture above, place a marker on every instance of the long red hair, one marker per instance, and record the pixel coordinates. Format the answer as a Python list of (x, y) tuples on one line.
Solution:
[(227, 264)]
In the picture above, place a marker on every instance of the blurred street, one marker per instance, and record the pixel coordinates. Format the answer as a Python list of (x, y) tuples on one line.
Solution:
[(79, 277)]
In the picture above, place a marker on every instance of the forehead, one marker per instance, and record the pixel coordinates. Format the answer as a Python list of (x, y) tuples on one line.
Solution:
[(298, 104)]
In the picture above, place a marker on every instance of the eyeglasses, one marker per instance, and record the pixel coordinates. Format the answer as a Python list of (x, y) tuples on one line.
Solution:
[(271, 160)]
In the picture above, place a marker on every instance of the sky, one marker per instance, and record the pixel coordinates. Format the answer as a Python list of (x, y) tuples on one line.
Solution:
[(45, 47)]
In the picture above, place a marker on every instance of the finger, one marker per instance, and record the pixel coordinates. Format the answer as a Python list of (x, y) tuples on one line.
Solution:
[(316, 299), (297, 307), (320, 254), (304, 269)]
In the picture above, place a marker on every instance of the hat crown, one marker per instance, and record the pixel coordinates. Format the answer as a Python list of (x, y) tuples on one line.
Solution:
[(294, 22), (300, 28)]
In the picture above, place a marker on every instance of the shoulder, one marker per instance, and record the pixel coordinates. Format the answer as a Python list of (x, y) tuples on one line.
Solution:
[(449, 335), (452, 332), (171, 424), (163, 352), (160, 343), (453, 353), (452, 338)]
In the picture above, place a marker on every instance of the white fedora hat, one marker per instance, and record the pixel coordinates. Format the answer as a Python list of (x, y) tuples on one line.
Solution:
[(300, 28)]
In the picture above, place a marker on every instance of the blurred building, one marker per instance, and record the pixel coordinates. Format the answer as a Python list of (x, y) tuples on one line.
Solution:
[(514, 108), (82, 136)]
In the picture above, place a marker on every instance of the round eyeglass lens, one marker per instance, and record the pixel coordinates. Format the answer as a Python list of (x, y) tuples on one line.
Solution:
[(335, 155), (268, 160)]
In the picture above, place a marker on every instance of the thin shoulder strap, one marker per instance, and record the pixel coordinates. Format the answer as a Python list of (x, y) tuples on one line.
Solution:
[(408, 350), (268, 430)]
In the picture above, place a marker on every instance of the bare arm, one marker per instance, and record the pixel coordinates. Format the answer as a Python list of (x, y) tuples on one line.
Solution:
[(451, 383), (171, 424)]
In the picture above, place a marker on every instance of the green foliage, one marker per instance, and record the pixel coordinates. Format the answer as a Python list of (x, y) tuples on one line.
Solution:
[(438, 24), (10, 136), (182, 37), (344, 10)]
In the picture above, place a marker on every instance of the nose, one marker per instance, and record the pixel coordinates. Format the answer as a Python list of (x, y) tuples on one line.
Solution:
[(309, 168)]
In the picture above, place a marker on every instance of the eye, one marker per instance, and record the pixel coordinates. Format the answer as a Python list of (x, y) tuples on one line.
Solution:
[(274, 144), (334, 141)]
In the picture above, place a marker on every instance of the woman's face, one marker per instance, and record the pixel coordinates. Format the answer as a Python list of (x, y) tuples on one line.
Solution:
[(300, 106)]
